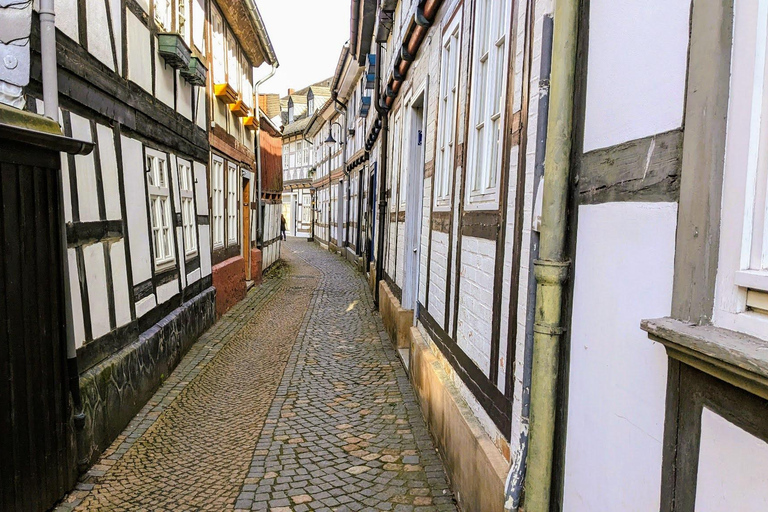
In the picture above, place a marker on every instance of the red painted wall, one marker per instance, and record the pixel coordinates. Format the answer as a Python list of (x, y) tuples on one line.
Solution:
[(271, 160), (229, 281)]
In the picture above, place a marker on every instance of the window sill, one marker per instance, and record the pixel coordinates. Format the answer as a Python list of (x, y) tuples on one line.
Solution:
[(737, 358), (161, 268)]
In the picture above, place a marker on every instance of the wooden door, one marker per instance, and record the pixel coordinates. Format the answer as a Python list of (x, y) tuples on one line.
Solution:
[(247, 227), (37, 449)]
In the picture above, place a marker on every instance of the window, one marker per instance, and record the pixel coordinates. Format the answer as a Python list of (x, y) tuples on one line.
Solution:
[(742, 281), (395, 159), (163, 13), (182, 19), (161, 220), (446, 129), (488, 90), (218, 47), (217, 201), (232, 189), (233, 73), (187, 193)]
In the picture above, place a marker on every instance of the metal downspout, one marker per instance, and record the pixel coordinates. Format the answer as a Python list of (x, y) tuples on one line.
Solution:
[(382, 177), (51, 105), (257, 111), (516, 477), (551, 269)]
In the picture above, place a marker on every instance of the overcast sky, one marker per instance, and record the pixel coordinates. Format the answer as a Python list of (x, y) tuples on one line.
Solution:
[(307, 36)]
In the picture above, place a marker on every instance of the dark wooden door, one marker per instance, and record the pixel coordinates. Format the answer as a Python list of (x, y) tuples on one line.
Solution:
[(37, 450)]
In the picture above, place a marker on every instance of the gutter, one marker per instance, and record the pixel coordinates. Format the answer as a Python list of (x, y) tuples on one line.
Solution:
[(261, 31), (383, 111), (552, 267)]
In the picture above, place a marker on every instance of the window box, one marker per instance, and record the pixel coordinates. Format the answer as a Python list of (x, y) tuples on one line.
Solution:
[(250, 122), (365, 106), (195, 73), (370, 72), (225, 93), (239, 108), (174, 50)]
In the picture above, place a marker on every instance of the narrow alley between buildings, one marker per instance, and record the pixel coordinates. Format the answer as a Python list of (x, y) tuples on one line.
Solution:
[(295, 400)]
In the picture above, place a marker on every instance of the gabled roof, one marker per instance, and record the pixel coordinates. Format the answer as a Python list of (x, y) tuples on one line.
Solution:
[(248, 26), (296, 127)]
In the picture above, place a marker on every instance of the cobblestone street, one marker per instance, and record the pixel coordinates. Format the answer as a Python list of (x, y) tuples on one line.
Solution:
[(294, 400)]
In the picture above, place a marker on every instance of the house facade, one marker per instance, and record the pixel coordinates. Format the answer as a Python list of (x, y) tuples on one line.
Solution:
[(153, 208), (237, 44), (298, 156), (570, 260)]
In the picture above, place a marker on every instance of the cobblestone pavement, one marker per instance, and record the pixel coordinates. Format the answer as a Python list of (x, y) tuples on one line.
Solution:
[(294, 400)]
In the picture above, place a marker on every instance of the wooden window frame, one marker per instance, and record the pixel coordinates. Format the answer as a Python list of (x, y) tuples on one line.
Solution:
[(217, 202), (491, 47), (160, 209), (233, 210), (450, 58), (187, 203)]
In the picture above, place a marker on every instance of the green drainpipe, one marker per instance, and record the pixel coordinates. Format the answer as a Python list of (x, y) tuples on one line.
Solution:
[(551, 269)]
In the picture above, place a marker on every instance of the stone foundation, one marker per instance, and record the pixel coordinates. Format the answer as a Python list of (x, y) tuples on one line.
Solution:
[(475, 466), (256, 266), (229, 281), (397, 321), (117, 388)]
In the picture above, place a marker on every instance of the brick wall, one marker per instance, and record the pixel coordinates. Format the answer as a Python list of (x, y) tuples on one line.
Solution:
[(229, 281)]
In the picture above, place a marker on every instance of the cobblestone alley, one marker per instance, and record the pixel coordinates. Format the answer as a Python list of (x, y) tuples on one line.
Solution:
[(294, 400)]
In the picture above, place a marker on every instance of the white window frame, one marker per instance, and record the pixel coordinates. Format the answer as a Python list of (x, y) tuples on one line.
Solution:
[(489, 83), (218, 46), (232, 206), (447, 112), (183, 25), (188, 212), (395, 159), (217, 202), (233, 61), (743, 259), (160, 209), (163, 13)]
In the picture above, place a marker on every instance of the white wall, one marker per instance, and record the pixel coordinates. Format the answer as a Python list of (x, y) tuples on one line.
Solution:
[(617, 383), (733, 468), (139, 56), (638, 54)]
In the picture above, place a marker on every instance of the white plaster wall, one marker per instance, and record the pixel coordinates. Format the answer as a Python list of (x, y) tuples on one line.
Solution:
[(65, 186), (198, 26), (145, 305), (66, 19), (617, 384), (183, 97), (638, 52), (136, 209), (476, 300), (424, 242), (164, 78), (205, 250), (399, 259), (733, 468), (99, 42), (95, 274), (120, 284), (116, 11), (139, 53), (167, 291), (110, 180), (77, 303), (200, 108), (87, 189)]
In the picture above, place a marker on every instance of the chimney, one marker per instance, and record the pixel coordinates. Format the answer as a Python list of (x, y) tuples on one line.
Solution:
[(291, 92)]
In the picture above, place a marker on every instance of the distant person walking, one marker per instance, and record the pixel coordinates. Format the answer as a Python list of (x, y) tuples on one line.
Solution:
[(282, 227)]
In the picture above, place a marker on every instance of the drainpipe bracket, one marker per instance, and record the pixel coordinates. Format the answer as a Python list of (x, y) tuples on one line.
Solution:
[(548, 329), (550, 272)]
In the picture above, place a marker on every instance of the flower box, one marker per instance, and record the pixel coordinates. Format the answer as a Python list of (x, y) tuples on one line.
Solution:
[(225, 93), (174, 50), (195, 72), (239, 108)]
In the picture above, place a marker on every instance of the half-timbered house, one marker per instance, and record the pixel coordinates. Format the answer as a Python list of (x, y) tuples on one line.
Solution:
[(238, 43)]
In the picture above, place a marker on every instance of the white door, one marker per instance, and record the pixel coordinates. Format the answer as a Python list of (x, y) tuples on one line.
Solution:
[(414, 187)]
